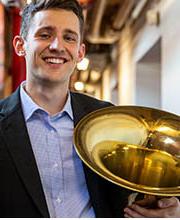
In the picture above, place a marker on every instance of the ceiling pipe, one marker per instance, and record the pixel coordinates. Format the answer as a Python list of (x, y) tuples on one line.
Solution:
[(138, 9), (123, 14), (98, 13), (94, 36), (127, 10)]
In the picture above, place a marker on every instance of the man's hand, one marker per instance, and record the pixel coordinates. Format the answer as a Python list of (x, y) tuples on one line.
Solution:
[(166, 208)]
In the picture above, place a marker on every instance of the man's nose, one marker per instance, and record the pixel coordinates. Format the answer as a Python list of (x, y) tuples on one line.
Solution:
[(56, 44)]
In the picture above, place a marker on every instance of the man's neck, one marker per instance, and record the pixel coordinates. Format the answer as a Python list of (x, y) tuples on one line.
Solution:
[(52, 99)]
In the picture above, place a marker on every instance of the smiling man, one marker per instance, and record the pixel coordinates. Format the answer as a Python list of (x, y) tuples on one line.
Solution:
[(41, 174), (52, 47)]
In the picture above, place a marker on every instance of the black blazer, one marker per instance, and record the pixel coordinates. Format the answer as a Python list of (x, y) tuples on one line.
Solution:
[(21, 193)]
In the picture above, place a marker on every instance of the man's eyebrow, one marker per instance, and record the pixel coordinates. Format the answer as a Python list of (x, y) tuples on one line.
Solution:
[(51, 28), (45, 28), (71, 32)]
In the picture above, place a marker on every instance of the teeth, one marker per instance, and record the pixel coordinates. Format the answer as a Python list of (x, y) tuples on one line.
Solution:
[(54, 60)]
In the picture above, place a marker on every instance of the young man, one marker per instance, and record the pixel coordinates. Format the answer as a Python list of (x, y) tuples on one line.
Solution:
[(41, 175)]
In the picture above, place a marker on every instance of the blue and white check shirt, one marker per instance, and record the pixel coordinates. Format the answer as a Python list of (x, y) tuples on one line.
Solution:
[(60, 168)]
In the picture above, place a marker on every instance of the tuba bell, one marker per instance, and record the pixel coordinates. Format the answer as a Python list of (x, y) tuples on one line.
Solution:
[(137, 148)]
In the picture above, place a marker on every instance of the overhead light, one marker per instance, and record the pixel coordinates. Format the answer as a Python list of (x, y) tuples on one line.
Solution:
[(83, 65), (84, 75), (79, 86), (28, 1), (89, 88), (95, 75), (152, 17)]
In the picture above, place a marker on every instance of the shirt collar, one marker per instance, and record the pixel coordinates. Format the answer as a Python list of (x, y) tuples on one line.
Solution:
[(29, 106)]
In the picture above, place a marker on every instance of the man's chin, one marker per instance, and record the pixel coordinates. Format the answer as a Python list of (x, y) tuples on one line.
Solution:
[(49, 81)]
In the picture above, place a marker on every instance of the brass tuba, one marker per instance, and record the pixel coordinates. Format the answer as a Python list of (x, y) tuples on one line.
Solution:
[(134, 147)]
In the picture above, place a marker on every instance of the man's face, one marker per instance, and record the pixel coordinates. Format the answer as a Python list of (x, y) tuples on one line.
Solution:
[(52, 47)]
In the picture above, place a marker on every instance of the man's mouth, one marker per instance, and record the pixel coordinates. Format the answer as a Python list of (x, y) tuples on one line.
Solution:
[(53, 60)]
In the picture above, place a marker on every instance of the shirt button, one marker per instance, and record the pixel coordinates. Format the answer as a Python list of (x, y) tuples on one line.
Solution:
[(52, 131), (55, 165), (58, 200)]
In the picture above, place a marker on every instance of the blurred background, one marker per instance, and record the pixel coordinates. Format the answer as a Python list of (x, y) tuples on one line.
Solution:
[(132, 56)]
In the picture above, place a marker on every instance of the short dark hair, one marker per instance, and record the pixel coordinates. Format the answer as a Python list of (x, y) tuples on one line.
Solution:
[(39, 5)]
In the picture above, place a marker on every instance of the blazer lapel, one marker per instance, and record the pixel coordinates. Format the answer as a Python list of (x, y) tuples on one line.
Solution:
[(81, 106), (16, 138), (78, 107)]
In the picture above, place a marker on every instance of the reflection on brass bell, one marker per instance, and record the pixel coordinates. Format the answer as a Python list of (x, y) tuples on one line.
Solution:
[(134, 147)]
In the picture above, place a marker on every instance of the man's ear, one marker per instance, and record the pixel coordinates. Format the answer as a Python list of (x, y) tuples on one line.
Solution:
[(81, 52), (18, 43)]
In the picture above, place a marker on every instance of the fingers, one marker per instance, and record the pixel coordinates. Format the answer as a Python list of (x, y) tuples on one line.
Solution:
[(130, 213), (127, 216), (137, 211), (147, 201), (167, 207), (168, 202)]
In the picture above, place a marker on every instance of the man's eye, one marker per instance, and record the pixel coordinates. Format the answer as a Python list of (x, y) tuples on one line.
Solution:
[(44, 36), (70, 38)]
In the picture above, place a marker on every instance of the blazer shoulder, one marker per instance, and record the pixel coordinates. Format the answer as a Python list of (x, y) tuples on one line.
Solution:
[(91, 101), (10, 104), (3, 103)]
